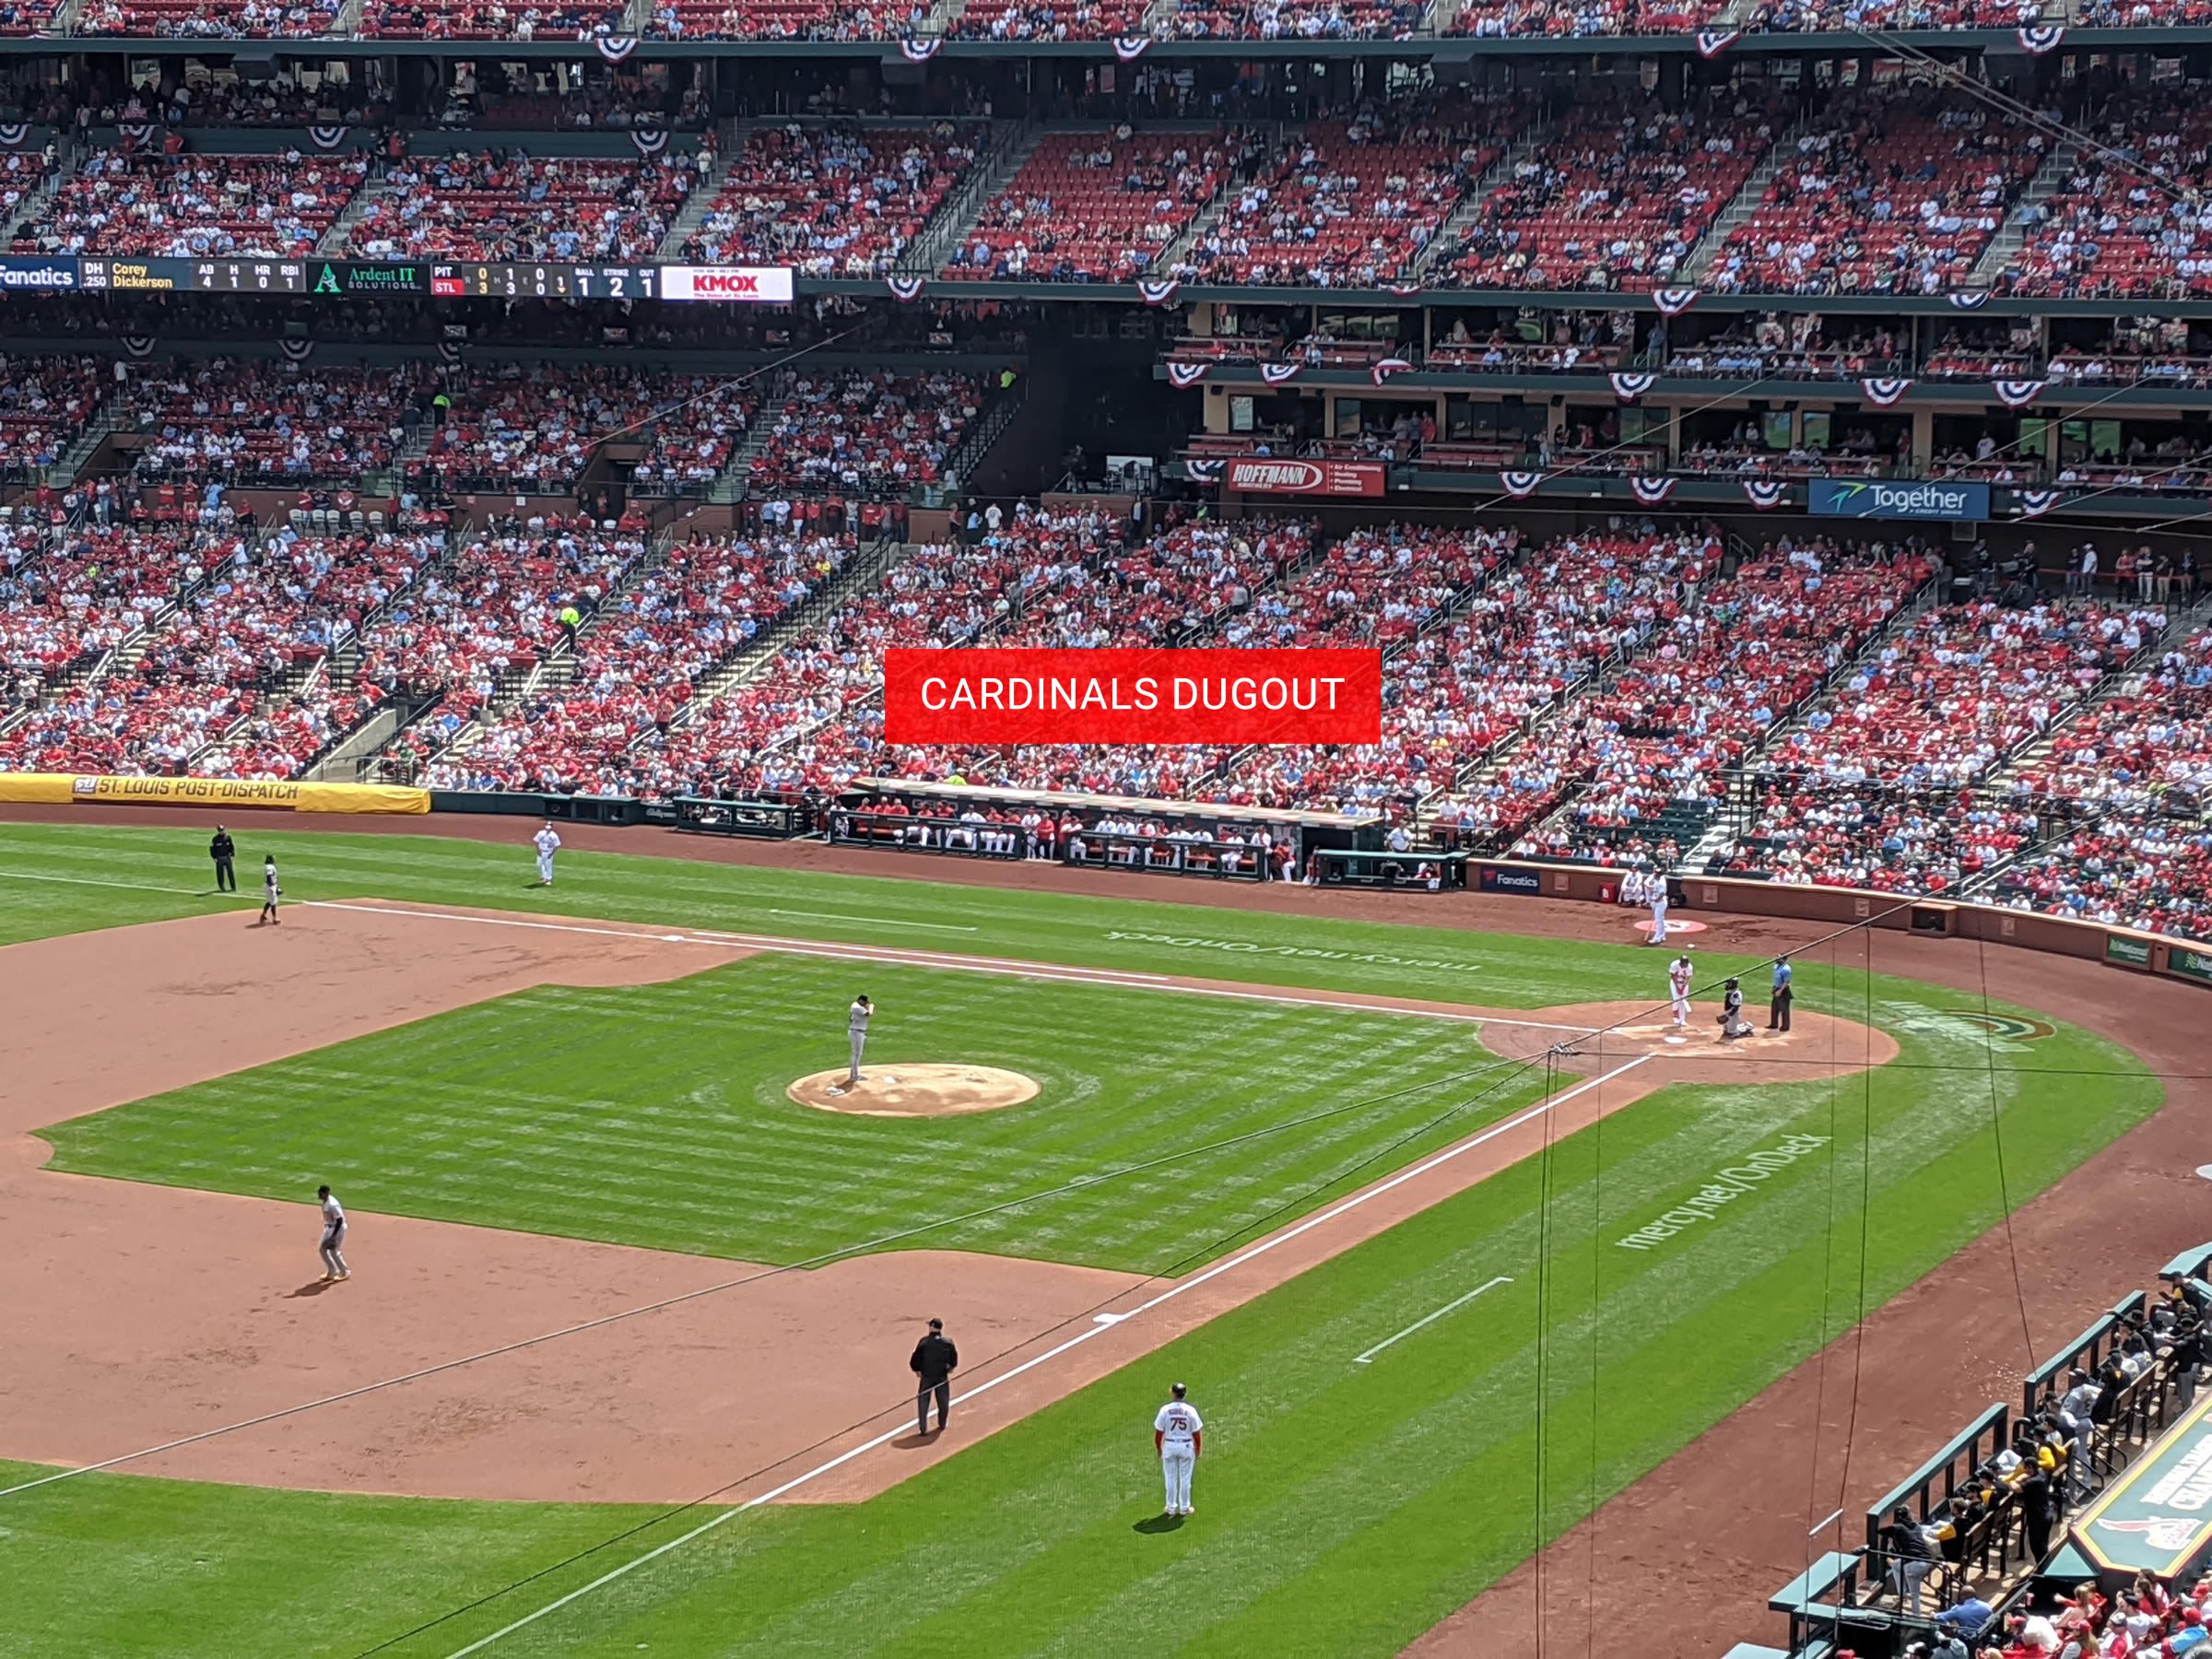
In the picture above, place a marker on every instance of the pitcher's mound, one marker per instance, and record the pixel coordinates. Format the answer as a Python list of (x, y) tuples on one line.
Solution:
[(916, 1090)]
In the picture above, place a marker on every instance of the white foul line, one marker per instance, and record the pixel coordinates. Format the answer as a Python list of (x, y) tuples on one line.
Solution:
[(136, 886), (874, 921), (725, 1516), (896, 956), (1816, 1531), (1431, 1319)]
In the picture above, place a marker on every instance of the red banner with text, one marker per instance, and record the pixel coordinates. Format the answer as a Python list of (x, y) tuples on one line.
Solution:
[(1304, 477), (1210, 697)]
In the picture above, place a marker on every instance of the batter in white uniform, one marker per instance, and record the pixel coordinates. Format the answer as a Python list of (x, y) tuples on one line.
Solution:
[(548, 842), (1177, 1432), (1677, 985)]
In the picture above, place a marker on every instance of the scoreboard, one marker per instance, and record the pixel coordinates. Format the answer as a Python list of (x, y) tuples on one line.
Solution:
[(249, 274), (544, 281)]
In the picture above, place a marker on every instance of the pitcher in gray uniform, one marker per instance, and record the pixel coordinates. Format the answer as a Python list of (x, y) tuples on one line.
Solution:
[(856, 1029)]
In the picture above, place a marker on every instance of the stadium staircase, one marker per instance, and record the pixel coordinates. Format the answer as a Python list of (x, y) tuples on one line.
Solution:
[(1454, 231), (2056, 167), (701, 198), (1012, 144), (64, 166), (748, 662), (332, 243), (1744, 203)]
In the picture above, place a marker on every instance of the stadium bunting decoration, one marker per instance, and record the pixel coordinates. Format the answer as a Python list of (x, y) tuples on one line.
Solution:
[(2041, 38), (1652, 491), (138, 346), (1884, 390), (906, 289), (13, 133), (1129, 48), (1764, 493), (138, 132), (1204, 472), (1968, 298), (1519, 485), (1389, 366), (615, 48), (1157, 292), (1630, 387), (327, 137), (1672, 302), (449, 351), (651, 141), (1183, 376), (1712, 42), (2034, 503), (1280, 374), (296, 351), (917, 49), (2017, 393)]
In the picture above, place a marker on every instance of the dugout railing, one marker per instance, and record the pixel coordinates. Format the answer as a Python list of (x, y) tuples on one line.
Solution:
[(754, 820), (1984, 1543)]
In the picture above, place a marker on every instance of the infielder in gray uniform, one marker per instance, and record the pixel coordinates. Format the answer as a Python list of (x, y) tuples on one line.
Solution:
[(856, 1029)]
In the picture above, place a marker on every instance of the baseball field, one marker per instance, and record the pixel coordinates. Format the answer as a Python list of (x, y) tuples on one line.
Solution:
[(1453, 1237)]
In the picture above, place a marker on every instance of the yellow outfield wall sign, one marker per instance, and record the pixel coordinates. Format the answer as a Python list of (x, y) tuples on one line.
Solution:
[(63, 789)]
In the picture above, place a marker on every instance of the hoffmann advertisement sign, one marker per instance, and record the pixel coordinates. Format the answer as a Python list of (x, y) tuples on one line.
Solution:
[(738, 285), (1121, 695), (1304, 477)]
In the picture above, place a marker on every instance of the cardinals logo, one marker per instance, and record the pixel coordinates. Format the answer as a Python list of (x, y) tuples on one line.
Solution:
[(2165, 1533)]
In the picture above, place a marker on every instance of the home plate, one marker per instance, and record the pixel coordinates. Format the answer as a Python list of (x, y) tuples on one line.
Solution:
[(1677, 1042)]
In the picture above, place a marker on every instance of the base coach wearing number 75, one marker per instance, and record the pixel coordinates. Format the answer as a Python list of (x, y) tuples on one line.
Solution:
[(935, 1359)]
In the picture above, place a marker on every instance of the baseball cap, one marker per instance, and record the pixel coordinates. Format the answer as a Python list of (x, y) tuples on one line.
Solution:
[(937, 1324), (1177, 1389)]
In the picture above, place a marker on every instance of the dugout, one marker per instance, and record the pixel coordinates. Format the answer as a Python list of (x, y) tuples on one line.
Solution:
[(1208, 838), (1400, 872), (751, 820)]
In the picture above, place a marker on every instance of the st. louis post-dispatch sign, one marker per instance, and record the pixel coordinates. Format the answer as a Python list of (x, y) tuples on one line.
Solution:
[(1304, 477)]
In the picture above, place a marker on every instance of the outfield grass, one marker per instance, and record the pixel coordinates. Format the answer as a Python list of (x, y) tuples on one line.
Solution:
[(1343, 1507)]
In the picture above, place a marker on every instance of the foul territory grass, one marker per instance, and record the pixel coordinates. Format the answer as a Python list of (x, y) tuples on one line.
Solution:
[(657, 1115), (1343, 1507)]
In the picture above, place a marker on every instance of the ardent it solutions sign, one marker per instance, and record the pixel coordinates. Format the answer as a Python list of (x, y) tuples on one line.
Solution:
[(742, 285), (1872, 497), (1304, 477)]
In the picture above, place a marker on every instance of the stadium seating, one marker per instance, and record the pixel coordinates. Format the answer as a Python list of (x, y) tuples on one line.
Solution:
[(787, 19), (205, 20), (1896, 190), (640, 661), (266, 423), (1353, 204), (861, 434), (832, 201), (1615, 200), (45, 403), (2108, 229), (1296, 20), (489, 19), (542, 426), (1519, 19), (1094, 206), (1048, 20), (193, 206), (498, 204)]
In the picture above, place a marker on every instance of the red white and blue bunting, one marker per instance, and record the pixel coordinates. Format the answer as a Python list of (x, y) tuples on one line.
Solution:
[(615, 48), (2034, 503), (2017, 393), (1519, 485), (1279, 374), (651, 141), (1160, 292), (1652, 491), (327, 137), (1129, 48), (1672, 302), (906, 289), (1183, 376), (917, 49), (1630, 387), (296, 351), (1883, 390), (1712, 42), (2041, 38), (1968, 298), (1383, 370), (137, 347), (1204, 472), (1764, 493)]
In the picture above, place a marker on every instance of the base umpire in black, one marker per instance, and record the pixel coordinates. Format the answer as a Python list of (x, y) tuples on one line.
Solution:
[(222, 849), (933, 1363)]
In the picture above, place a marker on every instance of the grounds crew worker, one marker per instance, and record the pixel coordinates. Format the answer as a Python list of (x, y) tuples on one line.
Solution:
[(222, 849), (933, 1364)]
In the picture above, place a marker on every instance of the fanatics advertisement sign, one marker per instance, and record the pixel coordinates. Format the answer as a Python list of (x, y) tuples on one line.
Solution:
[(742, 285), (1304, 477), (1213, 697)]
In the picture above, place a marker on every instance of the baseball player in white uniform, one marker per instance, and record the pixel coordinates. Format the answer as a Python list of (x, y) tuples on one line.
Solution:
[(1677, 985), (1177, 1433), (1658, 893), (857, 1032), (333, 1236), (1631, 887), (548, 842)]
